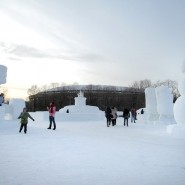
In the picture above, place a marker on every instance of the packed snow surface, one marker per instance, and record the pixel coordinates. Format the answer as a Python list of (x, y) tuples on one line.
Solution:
[(89, 153)]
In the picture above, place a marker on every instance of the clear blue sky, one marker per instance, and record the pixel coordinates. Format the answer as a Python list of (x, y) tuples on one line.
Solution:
[(108, 42)]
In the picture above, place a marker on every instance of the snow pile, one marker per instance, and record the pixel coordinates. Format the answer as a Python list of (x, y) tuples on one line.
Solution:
[(176, 130)]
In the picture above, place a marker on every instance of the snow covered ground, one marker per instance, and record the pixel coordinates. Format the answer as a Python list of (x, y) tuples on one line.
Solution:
[(89, 153)]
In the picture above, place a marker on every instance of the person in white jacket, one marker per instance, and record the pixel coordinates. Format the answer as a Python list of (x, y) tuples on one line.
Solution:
[(114, 115)]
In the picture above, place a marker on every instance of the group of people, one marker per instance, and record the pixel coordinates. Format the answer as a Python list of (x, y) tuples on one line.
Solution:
[(111, 115), (25, 115)]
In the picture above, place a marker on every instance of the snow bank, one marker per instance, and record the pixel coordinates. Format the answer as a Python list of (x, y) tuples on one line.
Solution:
[(177, 131)]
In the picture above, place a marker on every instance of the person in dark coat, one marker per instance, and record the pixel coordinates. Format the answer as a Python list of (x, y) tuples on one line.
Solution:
[(24, 120), (108, 115), (126, 115)]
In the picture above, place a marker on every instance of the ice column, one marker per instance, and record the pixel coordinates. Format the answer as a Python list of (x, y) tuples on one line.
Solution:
[(164, 98), (3, 74), (151, 104)]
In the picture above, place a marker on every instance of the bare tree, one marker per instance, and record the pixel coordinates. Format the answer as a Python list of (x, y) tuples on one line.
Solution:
[(173, 85), (33, 90), (44, 88), (54, 85), (142, 84), (75, 83)]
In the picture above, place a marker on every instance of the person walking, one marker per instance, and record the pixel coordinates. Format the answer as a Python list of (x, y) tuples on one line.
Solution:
[(108, 115), (114, 115), (24, 120), (126, 115), (52, 111), (133, 115)]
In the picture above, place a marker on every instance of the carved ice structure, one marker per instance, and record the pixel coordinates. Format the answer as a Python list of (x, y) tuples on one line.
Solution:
[(14, 108), (179, 107), (151, 104), (164, 98), (178, 130), (3, 74), (159, 105), (80, 111)]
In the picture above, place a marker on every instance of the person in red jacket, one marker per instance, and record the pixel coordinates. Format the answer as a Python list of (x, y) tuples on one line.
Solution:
[(133, 115), (52, 111)]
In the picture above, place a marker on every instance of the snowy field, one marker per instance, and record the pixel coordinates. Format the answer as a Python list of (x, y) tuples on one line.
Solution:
[(89, 153)]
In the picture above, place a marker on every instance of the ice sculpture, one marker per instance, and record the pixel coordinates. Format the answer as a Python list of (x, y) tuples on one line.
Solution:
[(3, 74), (164, 103), (14, 108), (151, 104), (179, 107), (80, 111), (178, 130)]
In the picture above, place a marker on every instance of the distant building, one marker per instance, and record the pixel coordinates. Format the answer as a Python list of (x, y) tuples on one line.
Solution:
[(97, 95)]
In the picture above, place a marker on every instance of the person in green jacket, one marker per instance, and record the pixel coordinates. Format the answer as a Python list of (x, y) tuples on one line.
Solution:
[(24, 120)]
